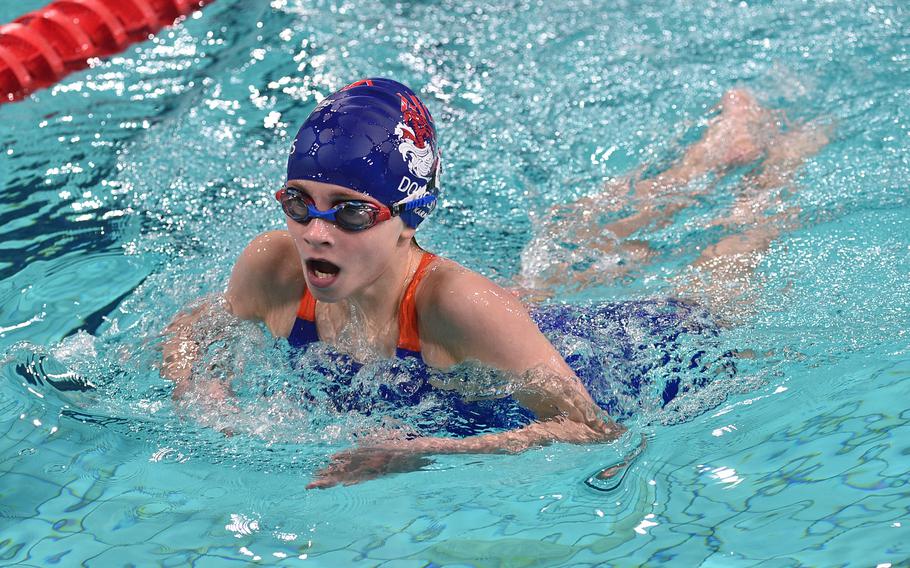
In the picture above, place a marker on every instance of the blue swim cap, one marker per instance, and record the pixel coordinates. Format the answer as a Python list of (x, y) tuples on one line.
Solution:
[(373, 136)]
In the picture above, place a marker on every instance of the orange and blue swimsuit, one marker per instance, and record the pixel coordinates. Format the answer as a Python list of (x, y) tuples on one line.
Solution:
[(632, 356), (304, 331), (451, 414)]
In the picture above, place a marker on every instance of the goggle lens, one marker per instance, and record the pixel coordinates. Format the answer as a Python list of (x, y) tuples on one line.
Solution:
[(295, 207), (356, 216)]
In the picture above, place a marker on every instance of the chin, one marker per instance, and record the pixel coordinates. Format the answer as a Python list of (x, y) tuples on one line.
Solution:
[(328, 295)]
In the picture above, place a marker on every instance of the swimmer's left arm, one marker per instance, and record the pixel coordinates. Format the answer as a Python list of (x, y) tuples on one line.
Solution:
[(376, 459), (465, 317), (399, 456)]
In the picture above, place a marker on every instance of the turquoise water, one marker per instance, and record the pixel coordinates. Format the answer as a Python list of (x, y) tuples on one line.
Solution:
[(129, 189)]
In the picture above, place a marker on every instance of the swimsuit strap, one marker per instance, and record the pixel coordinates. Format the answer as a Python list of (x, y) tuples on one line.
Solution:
[(307, 308), (305, 332), (408, 335)]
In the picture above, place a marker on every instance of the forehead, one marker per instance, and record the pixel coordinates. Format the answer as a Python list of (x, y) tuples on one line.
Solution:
[(328, 190)]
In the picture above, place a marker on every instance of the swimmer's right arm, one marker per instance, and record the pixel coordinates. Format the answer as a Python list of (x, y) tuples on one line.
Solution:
[(262, 283), (180, 352), (180, 349), (267, 282)]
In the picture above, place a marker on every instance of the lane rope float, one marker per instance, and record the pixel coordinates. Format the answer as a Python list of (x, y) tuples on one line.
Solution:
[(40, 48)]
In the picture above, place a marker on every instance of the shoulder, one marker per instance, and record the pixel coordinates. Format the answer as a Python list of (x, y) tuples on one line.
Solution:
[(465, 316), (269, 251), (266, 277), (456, 294)]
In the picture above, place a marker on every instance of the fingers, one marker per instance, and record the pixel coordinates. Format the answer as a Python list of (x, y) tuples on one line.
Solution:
[(330, 476), (321, 484), (347, 468), (363, 464)]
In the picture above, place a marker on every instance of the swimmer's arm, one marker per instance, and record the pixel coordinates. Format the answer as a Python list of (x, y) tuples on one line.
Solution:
[(267, 282), (581, 425), (399, 456), (465, 317), (180, 352), (469, 318), (534, 435), (263, 284), (180, 349), (472, 319)]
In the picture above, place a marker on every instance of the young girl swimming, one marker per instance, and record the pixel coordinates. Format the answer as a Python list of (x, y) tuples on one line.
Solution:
[(363, 173)]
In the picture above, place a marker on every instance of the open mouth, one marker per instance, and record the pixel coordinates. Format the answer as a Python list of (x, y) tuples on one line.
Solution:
[(322, 272)]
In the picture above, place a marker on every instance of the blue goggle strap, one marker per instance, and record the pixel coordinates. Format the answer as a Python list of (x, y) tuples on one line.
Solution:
[(400, 207)]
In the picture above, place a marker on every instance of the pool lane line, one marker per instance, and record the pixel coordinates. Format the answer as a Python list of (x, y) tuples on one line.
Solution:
[(40, 48)]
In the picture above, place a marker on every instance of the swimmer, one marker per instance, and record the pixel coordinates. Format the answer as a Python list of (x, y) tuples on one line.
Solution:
[(572, 249), (362, 175)]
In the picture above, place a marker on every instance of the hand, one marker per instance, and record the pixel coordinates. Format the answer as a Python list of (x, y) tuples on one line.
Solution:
[(364, 463)]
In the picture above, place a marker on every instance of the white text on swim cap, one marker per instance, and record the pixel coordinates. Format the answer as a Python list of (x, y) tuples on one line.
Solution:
[(407, 185)]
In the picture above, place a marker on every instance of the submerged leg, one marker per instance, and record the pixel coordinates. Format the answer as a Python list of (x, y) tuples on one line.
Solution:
[(575, 247), (722, 275)]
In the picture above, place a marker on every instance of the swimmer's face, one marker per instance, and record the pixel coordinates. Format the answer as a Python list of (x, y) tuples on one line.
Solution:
[(338, 263)]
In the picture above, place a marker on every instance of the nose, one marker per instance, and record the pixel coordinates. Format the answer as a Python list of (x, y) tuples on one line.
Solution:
[(318, 233)]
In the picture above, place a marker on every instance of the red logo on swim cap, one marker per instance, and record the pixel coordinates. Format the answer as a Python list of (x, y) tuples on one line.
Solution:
[(366, 82), (417, 117)]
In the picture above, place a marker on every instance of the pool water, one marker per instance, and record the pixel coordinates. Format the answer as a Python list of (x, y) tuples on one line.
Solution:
[(129, 189)]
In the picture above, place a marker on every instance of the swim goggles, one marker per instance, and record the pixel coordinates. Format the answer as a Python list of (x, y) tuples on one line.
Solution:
[(353, 215)]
